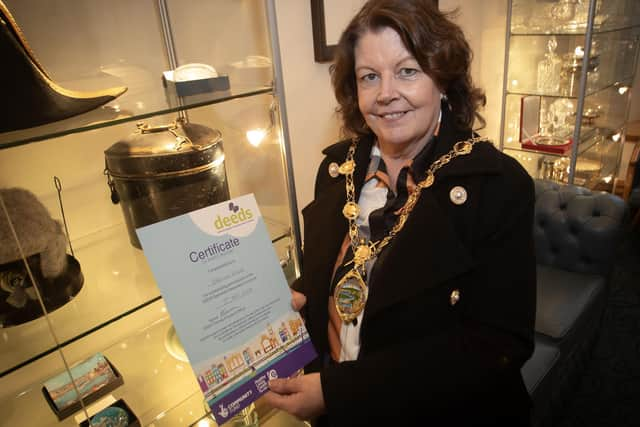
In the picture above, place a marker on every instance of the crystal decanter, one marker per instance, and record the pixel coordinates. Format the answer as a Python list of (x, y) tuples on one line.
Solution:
[(549, 69)]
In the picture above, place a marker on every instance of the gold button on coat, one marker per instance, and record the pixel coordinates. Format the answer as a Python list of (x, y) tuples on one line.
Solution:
[(454, 297)]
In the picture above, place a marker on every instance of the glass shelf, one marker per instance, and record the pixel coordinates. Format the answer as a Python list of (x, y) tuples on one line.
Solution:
[(117, 283), (589, 139), (612, 62), (533, 17), (624, 82), (531, 31), (604, 114), (160, 388), (127, 108), (595, 166), (117, 280), (603, 30)]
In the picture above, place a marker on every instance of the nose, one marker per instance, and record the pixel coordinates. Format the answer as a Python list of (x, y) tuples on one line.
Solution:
[(388, 91)]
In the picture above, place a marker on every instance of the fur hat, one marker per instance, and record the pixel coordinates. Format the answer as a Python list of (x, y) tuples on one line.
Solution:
[(37, 232)]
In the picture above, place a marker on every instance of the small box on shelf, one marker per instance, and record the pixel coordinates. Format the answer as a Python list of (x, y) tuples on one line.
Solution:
[(118, 413), (195, 86), (93, 377)]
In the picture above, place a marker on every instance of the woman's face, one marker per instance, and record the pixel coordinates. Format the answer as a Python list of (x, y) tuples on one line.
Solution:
[(399, 102)]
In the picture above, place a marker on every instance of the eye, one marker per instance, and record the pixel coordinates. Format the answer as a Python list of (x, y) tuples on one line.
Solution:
[(369, 77), (407, 72)]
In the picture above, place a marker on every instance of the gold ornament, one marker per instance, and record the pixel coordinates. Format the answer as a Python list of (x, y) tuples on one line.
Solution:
[(347, 167), (362, 254), (428, 181), (351, 210), (462, 147)]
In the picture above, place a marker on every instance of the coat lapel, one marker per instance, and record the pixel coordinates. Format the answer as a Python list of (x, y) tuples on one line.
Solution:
[(424, 254)]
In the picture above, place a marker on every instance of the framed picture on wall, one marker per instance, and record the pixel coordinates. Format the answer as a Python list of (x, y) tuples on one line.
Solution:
[(328, 19)]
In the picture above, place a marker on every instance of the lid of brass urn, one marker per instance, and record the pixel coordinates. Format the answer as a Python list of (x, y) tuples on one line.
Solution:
[(165, 150)]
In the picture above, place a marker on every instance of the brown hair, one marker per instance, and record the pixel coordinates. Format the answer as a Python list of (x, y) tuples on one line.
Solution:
[(433, 39)]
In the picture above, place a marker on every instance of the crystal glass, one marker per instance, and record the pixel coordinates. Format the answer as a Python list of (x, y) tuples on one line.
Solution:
[(562, 113), (546, 118), (546, 168), (561, 169)]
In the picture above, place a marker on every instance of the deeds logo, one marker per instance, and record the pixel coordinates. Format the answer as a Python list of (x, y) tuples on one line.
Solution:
[(238, 216)]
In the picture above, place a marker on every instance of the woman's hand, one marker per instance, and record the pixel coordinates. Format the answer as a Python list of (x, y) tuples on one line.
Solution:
[(300, 396), (298, 300)]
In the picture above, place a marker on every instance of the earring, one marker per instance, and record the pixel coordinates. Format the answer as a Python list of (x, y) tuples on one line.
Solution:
[(443, 97)]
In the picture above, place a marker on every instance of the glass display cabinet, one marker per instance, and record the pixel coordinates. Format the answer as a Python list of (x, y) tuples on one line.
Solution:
[(569, 67), (92, 80)]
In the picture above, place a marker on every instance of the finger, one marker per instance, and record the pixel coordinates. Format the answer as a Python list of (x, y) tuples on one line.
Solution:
[(279, 386), (284, 385), (276, 400), (298, 300)]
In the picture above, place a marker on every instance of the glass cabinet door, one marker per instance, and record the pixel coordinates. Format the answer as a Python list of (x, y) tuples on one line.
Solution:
[(104, 307), (567, 87)]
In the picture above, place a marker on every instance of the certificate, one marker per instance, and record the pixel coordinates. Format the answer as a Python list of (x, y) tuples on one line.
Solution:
[(229, 301)]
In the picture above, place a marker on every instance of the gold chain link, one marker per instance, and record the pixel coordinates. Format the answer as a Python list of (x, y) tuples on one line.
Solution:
[(459, 149)]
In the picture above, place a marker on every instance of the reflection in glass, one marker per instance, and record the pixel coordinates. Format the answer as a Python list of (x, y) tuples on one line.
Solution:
[(563, 11)]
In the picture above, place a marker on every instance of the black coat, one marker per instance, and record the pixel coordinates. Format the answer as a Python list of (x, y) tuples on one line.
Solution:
[(424, 359)]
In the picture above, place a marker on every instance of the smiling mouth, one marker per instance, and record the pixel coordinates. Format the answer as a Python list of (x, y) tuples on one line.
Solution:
[(392, 116)]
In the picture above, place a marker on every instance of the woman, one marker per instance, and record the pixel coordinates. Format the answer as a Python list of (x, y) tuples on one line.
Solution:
[(418, 283)]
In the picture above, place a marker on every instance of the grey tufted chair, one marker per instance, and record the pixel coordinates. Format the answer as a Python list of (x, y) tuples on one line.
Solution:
[(576, 232), (576, 229)]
